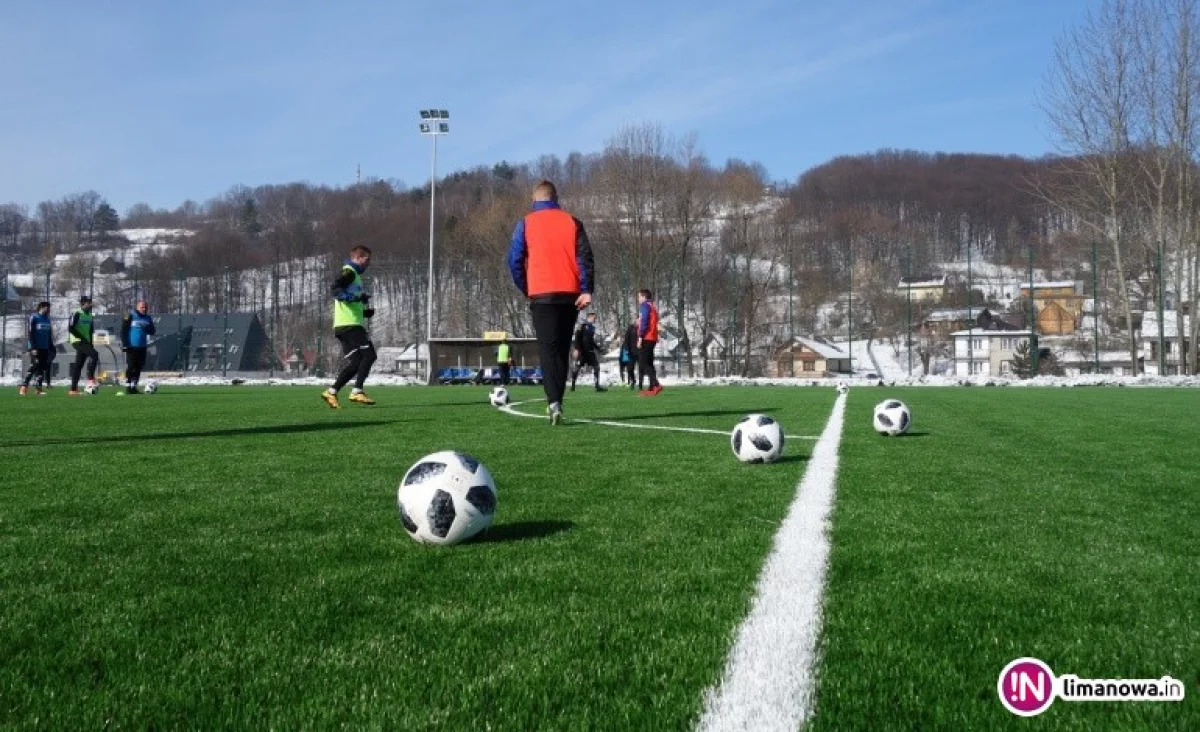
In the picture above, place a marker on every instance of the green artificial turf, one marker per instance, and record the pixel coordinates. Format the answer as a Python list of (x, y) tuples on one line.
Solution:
[(232, 557), (1062, 524)]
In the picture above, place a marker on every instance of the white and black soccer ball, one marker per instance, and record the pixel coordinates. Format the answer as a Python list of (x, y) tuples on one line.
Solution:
[(445, 498), (843, 388), (892, 418), (757, 438), (91, 389), (151, 387), (498, 397)]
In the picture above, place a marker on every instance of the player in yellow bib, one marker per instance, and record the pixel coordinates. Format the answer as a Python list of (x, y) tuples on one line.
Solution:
[(504, 359), (350, 314), (80, 333)]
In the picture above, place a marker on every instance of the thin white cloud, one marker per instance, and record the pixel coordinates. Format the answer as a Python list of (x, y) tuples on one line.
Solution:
[(731, 83)]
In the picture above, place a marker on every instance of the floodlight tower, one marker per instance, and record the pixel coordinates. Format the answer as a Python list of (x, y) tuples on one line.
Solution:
[(434, 123)]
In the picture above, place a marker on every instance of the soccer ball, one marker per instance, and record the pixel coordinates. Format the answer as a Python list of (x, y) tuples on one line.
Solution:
[(498, 397), (757, 439), (892, 418), (151, 387), (843, 388), (445, 498), (91, 389)]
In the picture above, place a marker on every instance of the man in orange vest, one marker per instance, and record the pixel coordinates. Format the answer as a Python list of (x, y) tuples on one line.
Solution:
[(551, 263), (647, 340)]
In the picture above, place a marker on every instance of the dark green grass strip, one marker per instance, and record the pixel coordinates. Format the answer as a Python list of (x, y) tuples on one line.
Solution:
[(231, 558), (1059, 524)]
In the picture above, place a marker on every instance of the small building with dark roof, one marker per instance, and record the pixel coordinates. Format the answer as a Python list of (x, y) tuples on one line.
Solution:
[(195, 342)]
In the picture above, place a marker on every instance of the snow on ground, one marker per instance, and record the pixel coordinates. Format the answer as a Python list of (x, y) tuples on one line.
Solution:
[(884, 363), (611, 382), (148, 236)]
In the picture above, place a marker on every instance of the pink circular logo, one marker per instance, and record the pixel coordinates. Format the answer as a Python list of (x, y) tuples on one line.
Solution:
[(1026, 687)]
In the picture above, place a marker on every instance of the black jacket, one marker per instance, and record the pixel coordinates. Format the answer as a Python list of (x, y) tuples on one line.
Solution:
[(585, 339)]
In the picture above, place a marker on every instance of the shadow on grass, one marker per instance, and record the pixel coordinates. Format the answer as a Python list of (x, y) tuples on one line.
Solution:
[(274, 429), (907, 435), (793, 459), (704, 413), (482, 401), (522, 530)]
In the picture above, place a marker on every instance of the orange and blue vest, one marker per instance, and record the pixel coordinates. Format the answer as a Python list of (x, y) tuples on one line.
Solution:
[(648, 321), (550, 254)]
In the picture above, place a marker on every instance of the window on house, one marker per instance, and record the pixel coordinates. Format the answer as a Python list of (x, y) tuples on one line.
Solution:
[(977, 344), (1006, 367), (810, 365), (976, 367)]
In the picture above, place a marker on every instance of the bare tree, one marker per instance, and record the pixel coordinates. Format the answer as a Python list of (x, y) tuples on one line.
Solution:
[(1179, 19), (627, 203), (688, 210), (1089, 99)]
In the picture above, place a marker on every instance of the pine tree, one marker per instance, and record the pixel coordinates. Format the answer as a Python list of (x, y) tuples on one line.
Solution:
[(1048, 363), (248, 220), (1022, 362), (105, 220)]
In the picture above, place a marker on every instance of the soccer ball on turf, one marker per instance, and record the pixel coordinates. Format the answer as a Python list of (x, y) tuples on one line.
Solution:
[(151, 387), (843, 388), (498, 397), (757, 439), (91, 389), (445, 498), (892, 418)]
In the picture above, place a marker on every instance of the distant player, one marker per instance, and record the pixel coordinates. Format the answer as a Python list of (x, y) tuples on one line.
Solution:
[(136, 329), (586, 351), (350, 314), (504, 359), (629, 356), (79, 333), (550, 260), (647, 340), (41, 349)]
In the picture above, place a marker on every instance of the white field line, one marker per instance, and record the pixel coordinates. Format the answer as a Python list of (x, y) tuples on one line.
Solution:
[(510, 409), (768, 681)]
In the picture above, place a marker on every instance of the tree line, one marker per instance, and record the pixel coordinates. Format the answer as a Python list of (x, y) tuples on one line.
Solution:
[(732, 256)]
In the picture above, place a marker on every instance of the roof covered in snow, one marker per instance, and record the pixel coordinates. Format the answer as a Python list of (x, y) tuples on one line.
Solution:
[(925, 281), (1056, 284), (825, 350), (989, 333), (948, 314)]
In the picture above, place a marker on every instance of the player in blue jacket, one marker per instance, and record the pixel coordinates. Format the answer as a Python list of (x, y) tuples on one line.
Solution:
[(136, 329), (41, 349)]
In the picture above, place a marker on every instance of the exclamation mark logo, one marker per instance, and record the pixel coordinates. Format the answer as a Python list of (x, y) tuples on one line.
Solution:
[(1026, 687)]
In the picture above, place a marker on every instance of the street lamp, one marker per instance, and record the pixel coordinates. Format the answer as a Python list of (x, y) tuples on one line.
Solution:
[(434, 122)]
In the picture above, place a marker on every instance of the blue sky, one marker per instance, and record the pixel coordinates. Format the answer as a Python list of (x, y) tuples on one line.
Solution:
[(159, 102)]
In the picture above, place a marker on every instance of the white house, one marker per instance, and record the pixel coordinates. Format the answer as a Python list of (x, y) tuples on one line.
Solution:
[(407, 361), (1148, 341), (1077, 363), (986, 352)]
